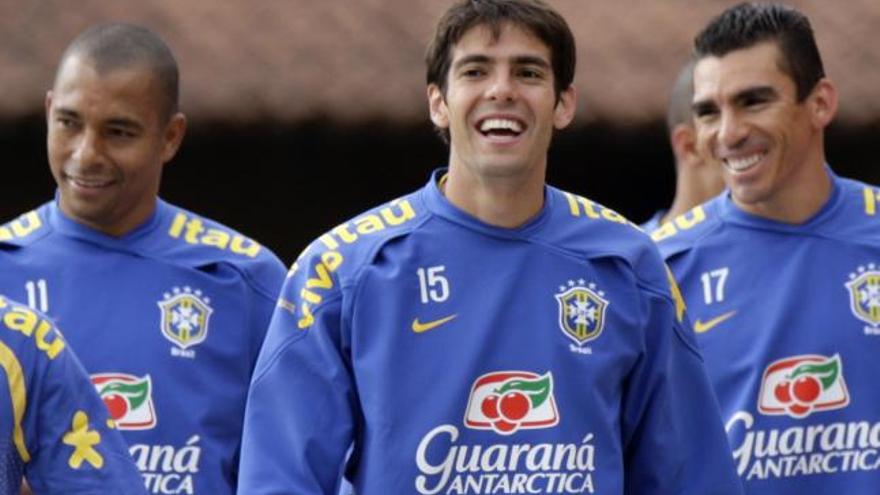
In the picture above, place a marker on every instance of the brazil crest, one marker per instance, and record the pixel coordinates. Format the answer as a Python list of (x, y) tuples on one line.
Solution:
[(581, 312), (185, 317)]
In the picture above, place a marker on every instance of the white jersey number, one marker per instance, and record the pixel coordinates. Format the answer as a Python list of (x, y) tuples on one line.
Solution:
[(433, 285), (713, 284), (37, 295)]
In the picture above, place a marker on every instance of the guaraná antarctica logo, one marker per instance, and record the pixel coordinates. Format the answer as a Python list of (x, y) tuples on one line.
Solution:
[(864, 296), (495, 460), (507, 401), (581, 311), (128, 398), (797, 386)]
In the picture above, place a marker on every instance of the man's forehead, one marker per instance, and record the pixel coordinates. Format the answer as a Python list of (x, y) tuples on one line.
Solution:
[(483, 37), (738, 70)]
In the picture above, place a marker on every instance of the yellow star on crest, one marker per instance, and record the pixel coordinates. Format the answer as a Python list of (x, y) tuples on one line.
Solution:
[(83, 442)]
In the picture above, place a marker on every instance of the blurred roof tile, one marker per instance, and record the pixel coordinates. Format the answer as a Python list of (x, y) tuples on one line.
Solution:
[(291, 60)]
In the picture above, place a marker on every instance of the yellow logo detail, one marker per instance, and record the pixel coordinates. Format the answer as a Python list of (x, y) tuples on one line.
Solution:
[(419, 327), (193, 231), (871, 197), (680, 306), (580, 206), (21, 227), (685, 221), (23, 319), (83, 442), (703, 327)]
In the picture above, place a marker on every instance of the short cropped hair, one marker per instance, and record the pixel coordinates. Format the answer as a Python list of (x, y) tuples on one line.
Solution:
[(679, 109), (748, 24), (533, 15), (119, 45)]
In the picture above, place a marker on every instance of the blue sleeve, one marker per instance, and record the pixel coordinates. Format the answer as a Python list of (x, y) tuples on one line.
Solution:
[(300, 417), (674, 440), (266, 279), (72, 447)]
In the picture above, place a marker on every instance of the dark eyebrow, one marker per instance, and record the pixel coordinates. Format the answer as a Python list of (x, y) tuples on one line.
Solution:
[(531, 60), (759, 93), (518, 60), (748, 95), (66, 112), (702, 107), (119, 122), (125, 124), (470, 59)]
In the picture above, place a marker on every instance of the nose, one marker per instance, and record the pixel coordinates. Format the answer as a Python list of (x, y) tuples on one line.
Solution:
[(732, 131), (87, 149), (501, 88)]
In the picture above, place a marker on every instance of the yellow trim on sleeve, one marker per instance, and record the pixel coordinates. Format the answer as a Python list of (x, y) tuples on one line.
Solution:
[(18, 391)]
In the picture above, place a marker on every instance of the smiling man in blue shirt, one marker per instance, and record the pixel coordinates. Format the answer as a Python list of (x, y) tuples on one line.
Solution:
[(166, 309), (487, 333), (782, 273)]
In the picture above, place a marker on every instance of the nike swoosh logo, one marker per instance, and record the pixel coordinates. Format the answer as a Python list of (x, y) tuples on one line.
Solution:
[(703, 327), (419, 327)]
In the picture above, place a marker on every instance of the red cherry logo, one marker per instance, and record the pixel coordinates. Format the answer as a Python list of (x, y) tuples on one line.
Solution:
[(798, 410), (116, 404), (489, 406), (514, 406), (782, 391), (504, 426), (807, 389)]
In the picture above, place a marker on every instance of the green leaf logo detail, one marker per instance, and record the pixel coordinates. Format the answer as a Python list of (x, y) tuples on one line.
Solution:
[(536, 390), (827, 372), (135, 393)]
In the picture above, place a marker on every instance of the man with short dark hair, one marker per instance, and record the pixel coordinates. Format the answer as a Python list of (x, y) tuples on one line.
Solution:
[(696, 178), (781, 272), (166, 309), (487, 333)]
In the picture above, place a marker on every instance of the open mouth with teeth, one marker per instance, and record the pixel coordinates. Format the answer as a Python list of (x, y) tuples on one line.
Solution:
[(499, 127), (744, 163)]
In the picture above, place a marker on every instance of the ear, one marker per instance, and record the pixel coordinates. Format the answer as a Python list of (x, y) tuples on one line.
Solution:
[(683, 140), (48, 105), (174, 132), (823, 103), (437, 107), (563, 114)]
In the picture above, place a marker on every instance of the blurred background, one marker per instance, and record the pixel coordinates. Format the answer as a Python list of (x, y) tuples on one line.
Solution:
[(302, 113)]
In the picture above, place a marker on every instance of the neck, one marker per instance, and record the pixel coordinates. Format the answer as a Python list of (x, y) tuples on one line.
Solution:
[(116, 227), (506, 202), (806, 195)]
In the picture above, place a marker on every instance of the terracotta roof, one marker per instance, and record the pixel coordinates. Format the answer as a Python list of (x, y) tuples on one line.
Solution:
[(362, 60)]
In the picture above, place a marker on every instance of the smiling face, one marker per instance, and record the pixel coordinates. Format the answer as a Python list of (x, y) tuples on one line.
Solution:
[(769, 144), (107, 143), (499, 105)]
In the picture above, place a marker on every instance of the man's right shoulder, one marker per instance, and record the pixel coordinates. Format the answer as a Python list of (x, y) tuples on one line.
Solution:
[(355, 241), (362, 234), (333, 261), (26, 229), (680, 233)]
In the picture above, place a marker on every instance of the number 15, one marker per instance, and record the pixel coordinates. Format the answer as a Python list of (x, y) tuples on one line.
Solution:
[(433, 285)]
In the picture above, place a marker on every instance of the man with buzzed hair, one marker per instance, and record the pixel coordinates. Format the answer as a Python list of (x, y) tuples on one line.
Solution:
[(166, 309), (696, 178), (117, 45)]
